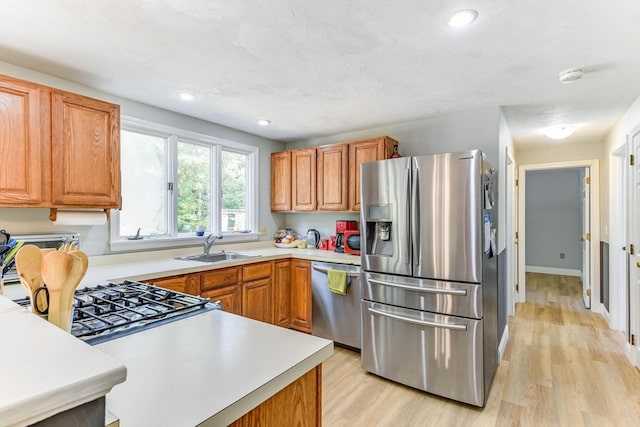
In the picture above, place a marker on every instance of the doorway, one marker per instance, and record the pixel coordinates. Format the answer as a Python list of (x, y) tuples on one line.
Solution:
[(590, 272)]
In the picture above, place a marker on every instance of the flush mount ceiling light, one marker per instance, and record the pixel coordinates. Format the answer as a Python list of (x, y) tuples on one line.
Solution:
[(187, 96), (568, 76), (263, 122), (560, 132), (462, 18)]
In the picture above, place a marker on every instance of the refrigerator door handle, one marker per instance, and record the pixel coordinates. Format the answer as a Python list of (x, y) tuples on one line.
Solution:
[(457, 292), (453, 326), (407, 248), (415, 220)]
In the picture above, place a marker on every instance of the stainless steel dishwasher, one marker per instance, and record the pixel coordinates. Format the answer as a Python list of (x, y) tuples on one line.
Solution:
[(336, 317)]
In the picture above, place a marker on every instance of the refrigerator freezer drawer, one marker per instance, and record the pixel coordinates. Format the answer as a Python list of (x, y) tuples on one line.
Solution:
[(458, 299), (431, 352)]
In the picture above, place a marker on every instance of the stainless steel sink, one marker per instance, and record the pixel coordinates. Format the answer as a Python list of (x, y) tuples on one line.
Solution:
[(215, 257)]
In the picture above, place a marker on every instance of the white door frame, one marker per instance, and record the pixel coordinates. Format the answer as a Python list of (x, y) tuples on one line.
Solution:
[(594, 165), (510, 232), (617, 315)]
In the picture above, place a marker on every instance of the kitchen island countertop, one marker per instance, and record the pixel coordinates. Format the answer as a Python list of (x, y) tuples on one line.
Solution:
[(45, 370), (207, 370)]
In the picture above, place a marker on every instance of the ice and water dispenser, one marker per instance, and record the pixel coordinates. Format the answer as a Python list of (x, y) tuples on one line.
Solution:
[(379, 230)]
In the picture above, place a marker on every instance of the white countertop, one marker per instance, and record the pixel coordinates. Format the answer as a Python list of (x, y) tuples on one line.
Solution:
[(45, 370), (214, 367), (151, 265), (208, 369)]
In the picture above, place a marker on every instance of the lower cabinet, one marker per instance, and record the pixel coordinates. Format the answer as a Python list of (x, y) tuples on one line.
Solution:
[(301, 295), (298, 404), (229, 296), (276, 292), (223, 285), (185, 283), (281, 293)]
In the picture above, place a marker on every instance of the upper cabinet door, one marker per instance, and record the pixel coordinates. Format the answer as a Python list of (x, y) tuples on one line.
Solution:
[(368, 150), (85, 152), (333, 177), (281, 181), (303, 179), (24, 143)]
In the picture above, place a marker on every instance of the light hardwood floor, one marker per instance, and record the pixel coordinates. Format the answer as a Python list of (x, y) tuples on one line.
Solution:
[(562, 367)]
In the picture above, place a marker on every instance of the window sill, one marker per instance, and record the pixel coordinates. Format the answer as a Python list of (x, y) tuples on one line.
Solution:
[(175, 242)]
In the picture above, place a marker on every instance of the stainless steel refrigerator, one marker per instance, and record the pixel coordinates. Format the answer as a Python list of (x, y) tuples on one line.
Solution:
[(429, 261)]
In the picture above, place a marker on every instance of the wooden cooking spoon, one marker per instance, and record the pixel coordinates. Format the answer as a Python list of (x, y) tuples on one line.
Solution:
[(56, 268), (66, 296), (78, 270), (28, 265)]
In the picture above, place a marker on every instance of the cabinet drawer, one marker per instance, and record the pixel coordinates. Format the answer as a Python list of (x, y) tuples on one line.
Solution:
[(256, 271), (175, 283), (216, 278)]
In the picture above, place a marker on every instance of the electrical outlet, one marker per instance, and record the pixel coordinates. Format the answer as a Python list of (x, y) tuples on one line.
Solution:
[(561, 255), (263, 230)]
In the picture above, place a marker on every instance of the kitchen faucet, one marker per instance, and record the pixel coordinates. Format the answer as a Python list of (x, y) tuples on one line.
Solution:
[(209, 241)]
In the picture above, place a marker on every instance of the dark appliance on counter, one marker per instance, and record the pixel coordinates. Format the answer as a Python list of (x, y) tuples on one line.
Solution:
[(352, 242), (113, 310), (429, 285), (342, 226)]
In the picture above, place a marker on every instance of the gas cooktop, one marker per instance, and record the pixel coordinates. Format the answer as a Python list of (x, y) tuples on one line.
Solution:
[(112, 310)]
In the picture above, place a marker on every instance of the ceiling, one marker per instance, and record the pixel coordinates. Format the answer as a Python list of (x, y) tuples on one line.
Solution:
[(317, 68)]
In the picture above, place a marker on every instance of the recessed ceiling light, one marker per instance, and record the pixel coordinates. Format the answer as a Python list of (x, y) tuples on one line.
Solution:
[(187, 96), (263, 122), (462, 18), (568, 76), (560, 132)]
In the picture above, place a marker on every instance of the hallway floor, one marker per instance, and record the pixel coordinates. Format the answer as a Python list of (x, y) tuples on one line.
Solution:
[(562, 366)]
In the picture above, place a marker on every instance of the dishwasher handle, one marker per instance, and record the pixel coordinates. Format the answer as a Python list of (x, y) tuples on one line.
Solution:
[(326, 271), (453, 326), (458, 292)]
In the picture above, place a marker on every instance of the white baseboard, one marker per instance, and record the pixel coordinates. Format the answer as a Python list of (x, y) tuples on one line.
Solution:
[(633, 354), (551, 270), (604, 313), (503, 343)]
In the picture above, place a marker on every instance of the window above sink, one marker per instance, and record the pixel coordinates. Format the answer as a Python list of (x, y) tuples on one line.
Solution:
[(174, 181)]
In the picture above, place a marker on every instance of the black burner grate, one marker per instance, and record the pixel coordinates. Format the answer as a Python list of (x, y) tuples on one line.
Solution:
[(112, 310)]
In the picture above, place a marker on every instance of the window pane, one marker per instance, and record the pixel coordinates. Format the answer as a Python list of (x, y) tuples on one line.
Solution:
[(144, 184), (234, 191), (194, 189)]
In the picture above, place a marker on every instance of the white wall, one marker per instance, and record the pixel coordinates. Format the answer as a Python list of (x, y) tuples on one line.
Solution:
[(554, 219), (95, 238), (458, 131)]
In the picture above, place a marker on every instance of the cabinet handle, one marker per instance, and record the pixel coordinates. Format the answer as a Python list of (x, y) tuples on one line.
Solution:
[(458, 292), (454, 326)]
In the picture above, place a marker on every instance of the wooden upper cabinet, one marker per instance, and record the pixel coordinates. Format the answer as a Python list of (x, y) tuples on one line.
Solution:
[(303, 179), (24, 143), (58, 149), (333, 177), (85, 152), (367, 150), (281, 181)]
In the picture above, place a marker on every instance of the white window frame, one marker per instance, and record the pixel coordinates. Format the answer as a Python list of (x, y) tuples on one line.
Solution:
[(175, 239)]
